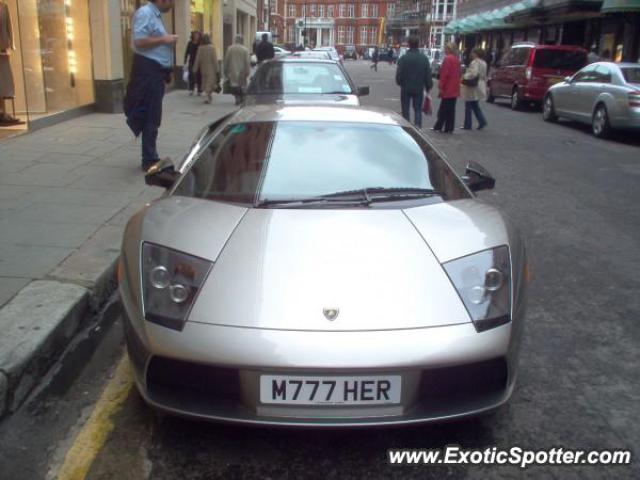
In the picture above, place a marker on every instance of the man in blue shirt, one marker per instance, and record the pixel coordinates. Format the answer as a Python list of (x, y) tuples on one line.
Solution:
[(151, 69)]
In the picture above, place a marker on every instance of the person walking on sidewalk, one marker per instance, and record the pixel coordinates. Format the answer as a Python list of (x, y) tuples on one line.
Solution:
[(265, 50), (195, 79), (474, 89), (237, 68), (151, 70), (375, 56), (206, 65), (449, 86), (413, 75)]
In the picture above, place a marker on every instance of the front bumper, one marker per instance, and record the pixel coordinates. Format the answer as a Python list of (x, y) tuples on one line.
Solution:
[(212, 372)]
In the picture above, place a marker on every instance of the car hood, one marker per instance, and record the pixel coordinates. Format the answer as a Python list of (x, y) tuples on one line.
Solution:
[(302, 99), (287, 269), (380, 269)]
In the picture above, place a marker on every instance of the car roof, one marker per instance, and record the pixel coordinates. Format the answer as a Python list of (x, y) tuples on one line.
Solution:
[(317, 113), (548, 47), (306, 59)]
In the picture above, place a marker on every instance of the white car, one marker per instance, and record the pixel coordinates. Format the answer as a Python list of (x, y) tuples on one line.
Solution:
[(281, 52), (333, 53)]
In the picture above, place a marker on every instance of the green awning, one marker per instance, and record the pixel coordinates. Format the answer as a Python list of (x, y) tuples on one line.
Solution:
[(612, 6), (491, 20)]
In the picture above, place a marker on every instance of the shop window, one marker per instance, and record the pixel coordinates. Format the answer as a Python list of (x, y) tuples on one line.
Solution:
[(50, 65)]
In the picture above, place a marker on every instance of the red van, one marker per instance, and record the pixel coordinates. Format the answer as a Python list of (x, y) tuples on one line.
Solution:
[(526, 71)]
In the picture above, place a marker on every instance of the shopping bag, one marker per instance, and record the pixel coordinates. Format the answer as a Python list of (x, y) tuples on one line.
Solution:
[(427, 106), (185, 74)]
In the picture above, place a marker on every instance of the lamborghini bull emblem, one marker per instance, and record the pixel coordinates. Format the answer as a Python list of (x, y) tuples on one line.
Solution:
[(331, 313)]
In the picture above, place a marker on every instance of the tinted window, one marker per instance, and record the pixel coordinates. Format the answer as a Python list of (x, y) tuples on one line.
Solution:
[(520, 56), (560, 59), (585, 75), (631, 74), (252, 162), (290, 78), (602, 74)]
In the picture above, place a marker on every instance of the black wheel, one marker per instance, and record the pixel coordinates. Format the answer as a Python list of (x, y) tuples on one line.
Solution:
[(600, 122), (516, 101), (490, 96), (548, 110)]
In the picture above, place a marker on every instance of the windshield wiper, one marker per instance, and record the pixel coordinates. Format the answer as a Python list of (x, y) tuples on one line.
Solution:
[(359, 197), (376, 194), (313, 201)]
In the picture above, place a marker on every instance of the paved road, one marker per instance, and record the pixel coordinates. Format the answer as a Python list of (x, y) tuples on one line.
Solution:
[(574, 197)]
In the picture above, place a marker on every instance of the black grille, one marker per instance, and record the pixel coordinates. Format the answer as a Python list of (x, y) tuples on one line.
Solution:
[(464, 381), (191, 378)]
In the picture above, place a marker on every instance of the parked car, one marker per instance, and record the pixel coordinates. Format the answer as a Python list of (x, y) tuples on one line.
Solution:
[(321, 267), (526, 71), (605, 95), (350, 52), (387, 55), (333, 53), (281, 52), (320, 55), (293, 80)]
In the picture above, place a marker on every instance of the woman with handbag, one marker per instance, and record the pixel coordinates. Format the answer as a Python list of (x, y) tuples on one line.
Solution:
[(207, 65), (474, 89)]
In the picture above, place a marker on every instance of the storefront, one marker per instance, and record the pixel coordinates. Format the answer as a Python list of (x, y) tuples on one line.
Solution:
[(60, 58), (45, 60)]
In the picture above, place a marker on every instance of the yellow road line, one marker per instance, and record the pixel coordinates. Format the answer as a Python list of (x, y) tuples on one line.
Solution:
[(94, 433)]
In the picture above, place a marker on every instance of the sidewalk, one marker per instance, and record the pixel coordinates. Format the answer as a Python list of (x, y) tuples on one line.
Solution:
[(66, 193)]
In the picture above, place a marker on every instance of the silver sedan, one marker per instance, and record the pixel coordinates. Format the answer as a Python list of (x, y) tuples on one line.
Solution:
[(605, 95), (321, 266)]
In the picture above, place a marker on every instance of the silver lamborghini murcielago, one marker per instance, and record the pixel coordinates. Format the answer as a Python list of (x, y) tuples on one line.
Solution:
[(321, 266)]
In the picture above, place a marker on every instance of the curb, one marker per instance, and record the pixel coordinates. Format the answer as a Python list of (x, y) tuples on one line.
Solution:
[(40, 321)]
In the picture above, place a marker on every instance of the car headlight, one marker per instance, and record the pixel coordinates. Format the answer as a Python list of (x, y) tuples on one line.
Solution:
[(483, 281), (170, 283)]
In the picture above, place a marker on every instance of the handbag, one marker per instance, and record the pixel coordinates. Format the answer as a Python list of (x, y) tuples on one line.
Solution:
[(427, 106), (185, 74), (471, 82)]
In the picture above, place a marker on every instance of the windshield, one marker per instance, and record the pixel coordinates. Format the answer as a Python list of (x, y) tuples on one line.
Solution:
[(300, 78), (250, 163), (560, 59), (631, 74)]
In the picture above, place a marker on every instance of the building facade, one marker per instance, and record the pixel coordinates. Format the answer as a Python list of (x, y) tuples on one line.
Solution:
[(61, 58), (296, 23), (611, 28), (425, 19), (442, 12)]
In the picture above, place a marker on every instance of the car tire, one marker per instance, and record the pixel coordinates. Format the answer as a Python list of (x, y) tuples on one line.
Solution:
[(548, 110), (516, 102), (490, 96), (600, 125)]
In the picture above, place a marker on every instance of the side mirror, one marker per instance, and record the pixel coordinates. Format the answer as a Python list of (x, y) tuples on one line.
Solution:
[(478, 178), (363, 91), (567, 79), (162, 174)]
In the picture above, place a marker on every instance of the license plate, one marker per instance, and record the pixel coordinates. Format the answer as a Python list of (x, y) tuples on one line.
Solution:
[(304, 390)]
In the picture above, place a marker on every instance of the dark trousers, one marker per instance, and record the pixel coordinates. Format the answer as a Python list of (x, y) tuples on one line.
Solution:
[(406, 99), (238, 94), (195, 79), (446, 115), (470, 107), (143, 104)]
